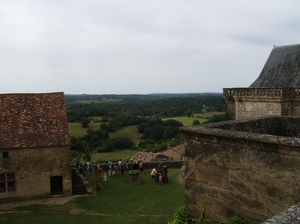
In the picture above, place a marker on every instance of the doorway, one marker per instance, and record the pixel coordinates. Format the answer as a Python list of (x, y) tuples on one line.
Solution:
[(56, 185)]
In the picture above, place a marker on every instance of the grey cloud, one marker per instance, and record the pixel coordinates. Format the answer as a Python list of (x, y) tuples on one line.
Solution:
[(99, 46)]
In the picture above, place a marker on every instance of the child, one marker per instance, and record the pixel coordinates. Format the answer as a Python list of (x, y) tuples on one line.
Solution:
[(160, 178), (104, 178), (113, 171), (97, 186)]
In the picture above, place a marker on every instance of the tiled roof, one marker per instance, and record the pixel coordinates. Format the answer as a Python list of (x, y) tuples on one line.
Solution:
[(180, 149), (282, 68), (33, 120), (145, 156)]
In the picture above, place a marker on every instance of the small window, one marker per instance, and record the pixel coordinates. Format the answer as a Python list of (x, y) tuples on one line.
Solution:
[(2, 187), (7, 182), (4, 155)]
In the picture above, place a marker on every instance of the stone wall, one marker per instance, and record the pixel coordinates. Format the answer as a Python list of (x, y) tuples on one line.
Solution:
[(248, 168), (256, 102), (246, 109), (33, 168)]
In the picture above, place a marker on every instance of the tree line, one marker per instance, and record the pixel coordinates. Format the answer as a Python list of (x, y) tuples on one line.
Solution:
[(131, 108)]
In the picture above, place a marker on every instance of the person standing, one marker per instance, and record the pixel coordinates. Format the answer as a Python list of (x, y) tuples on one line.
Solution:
[(104, 178), (153, 175), (121, 166), (135, 164), (81, 171), (109, 167), (141, 167), (120, 161), (100, 172), (87, 166)]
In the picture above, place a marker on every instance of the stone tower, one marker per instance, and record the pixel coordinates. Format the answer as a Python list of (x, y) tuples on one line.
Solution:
[(275, 92)]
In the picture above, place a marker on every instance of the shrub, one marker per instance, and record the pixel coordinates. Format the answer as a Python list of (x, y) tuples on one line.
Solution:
[(182, 217), (235, 220)]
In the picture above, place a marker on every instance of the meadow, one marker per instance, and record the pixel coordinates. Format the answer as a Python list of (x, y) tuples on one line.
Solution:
[(120, 201), (77, 130), (114, 156)]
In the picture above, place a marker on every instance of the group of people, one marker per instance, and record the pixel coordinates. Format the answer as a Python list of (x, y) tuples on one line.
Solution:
[(138, 165), (114, 169)]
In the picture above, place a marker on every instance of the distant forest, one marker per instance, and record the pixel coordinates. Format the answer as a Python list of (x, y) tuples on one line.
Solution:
[(157, 105), (146, 111)]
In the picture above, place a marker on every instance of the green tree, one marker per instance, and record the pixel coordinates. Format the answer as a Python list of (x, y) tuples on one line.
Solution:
[(196, 122), (84, 122), (168, 134), (141, 127), (104, 126), (172, 123), (121, 143), (108, 147), (188, 112), (87, 154), (147, 133), (157, 132)]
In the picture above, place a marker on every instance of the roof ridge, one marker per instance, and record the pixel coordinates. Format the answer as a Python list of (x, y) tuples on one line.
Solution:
[(284, 46)]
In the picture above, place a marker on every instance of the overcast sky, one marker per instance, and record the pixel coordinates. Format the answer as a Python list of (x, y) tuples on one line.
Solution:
[(139, 47)]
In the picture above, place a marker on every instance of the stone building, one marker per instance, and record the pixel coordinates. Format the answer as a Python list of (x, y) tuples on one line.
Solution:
[(249, 165), (275, 92), (175, 153), (34, 146)]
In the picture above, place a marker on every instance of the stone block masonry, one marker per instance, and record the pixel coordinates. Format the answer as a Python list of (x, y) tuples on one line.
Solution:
[(248, 168)]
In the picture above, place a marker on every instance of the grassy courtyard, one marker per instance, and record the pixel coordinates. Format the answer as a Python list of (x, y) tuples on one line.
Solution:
[(120, 201)]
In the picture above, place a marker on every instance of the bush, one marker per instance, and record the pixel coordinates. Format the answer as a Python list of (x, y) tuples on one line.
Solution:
[(235, 220), (182, 217)]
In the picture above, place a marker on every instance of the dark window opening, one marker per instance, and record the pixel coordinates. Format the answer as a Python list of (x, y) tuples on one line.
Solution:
[(7, 182), (4, 155)]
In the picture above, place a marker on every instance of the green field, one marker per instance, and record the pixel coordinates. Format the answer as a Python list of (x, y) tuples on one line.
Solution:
[(120, 201), (188, 121), (131, 132), (114, 156), (128, 131), (77, 130)]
